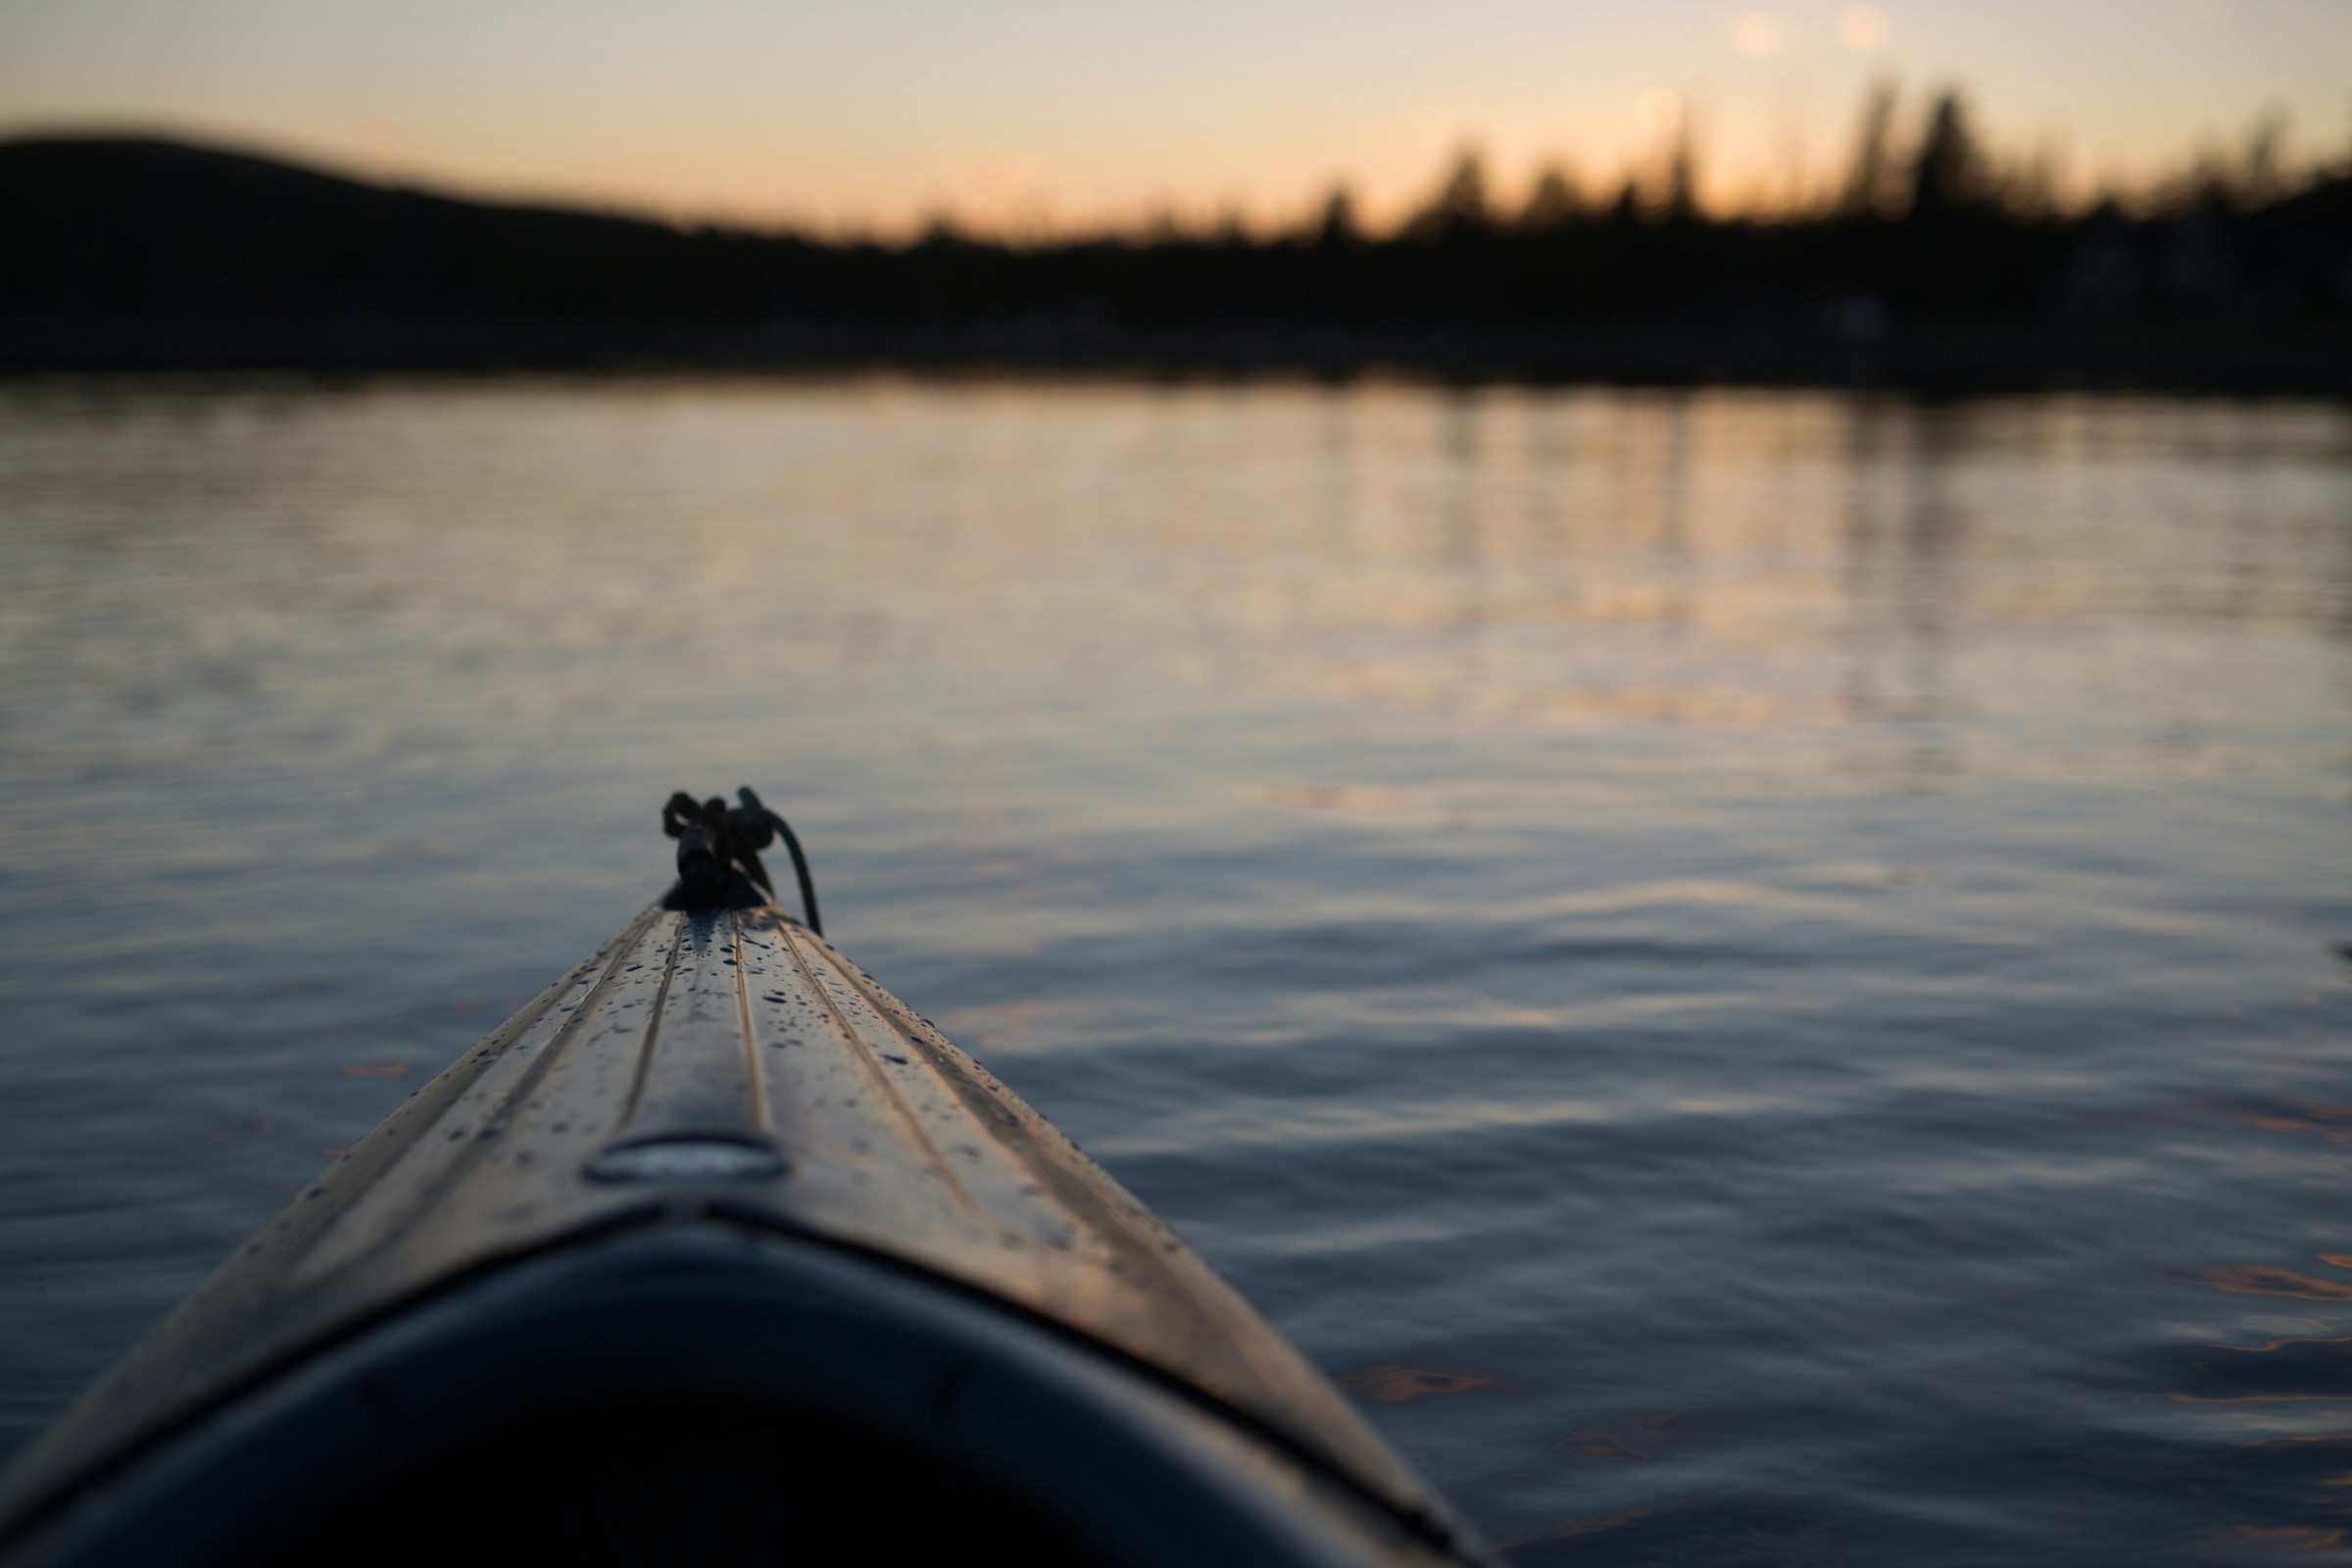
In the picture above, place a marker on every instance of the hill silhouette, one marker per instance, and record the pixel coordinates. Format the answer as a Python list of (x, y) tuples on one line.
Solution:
[(1934, 266)]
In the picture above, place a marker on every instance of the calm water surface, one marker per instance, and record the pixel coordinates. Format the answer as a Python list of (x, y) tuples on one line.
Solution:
[(1756, 972)]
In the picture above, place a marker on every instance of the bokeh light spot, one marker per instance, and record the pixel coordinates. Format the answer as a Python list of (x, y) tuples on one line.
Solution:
[(1862, 28)]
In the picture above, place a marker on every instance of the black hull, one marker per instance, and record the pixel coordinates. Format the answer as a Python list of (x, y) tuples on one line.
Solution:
[(717, 1253)]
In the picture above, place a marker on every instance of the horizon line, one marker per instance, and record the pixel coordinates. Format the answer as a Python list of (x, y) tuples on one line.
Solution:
[(1642, 179)]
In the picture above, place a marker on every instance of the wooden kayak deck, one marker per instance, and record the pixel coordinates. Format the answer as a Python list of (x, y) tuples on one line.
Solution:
[(727, 1066)]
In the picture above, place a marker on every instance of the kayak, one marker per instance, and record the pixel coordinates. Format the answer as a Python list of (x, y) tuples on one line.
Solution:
[(716, 1254)]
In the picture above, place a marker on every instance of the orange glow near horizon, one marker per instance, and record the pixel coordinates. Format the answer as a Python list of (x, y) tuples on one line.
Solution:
[(1039, 117)]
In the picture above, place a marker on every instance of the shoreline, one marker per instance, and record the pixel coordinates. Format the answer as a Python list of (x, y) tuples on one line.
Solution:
[(2234, 358)]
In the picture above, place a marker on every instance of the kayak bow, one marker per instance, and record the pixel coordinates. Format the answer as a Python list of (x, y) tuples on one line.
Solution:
[(715, 1253)]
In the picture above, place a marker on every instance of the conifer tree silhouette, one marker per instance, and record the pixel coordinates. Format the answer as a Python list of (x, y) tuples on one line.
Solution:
[(1337, 225), (1460, 209), (1948, 179), (1553, 204), (1866, 184)]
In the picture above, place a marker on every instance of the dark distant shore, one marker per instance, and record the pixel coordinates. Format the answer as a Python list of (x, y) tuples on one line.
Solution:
[(145, 254), (1957, 359)]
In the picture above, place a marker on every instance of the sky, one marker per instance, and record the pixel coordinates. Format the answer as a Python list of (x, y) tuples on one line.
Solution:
[(1043, 115)]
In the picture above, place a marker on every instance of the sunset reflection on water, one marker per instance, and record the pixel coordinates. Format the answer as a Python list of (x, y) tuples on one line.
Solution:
[(1756, 969)]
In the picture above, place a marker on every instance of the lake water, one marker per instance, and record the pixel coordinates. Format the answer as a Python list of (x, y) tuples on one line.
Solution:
[(1757, 972)]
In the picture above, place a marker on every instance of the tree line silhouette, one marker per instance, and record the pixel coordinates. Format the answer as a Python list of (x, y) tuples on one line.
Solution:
[(134, 251)]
